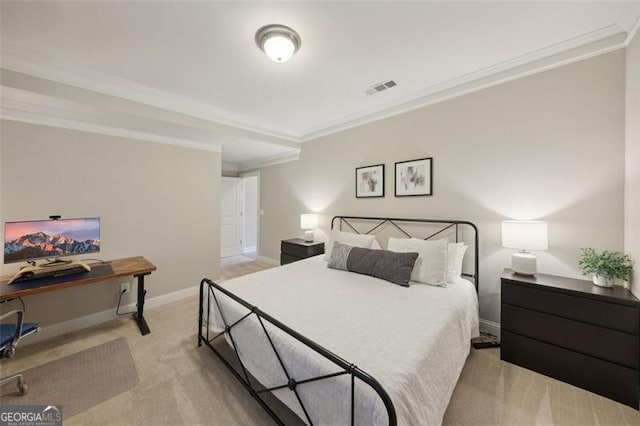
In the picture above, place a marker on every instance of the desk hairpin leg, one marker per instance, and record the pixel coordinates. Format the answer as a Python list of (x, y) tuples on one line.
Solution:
[(139, 317)]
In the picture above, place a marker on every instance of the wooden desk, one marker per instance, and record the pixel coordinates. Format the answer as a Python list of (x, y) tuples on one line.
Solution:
[(132, 266)]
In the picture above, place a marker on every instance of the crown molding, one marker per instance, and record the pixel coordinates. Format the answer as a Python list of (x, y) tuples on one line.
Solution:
[(14, 109), (595, 43), (269, 161), (36, 64), (630, 21)]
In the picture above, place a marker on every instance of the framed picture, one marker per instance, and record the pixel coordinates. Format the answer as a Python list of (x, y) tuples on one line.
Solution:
[(370, 181), (414, 177)]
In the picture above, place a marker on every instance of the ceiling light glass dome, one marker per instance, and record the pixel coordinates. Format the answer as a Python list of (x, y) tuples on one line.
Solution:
[(278, 42)]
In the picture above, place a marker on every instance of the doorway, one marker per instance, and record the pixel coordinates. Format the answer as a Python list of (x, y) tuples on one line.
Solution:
[(239, 216), (251, 215), (231, 217)]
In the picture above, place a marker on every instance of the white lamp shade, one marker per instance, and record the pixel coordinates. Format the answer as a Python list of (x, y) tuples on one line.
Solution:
[(308, 221), (279, 48), (525, 234)]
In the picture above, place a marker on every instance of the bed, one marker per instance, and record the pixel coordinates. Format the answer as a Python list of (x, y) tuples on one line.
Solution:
[(405, 346)]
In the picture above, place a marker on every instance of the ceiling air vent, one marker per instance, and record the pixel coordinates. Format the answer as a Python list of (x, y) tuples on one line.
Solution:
[(379, 87)]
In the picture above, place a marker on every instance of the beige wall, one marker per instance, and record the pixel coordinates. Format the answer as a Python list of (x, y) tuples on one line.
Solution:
[(154, 200), (632, 160), (549, 146)]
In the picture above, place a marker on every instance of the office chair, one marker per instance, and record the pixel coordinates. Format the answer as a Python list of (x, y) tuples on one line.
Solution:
[(10, 335)]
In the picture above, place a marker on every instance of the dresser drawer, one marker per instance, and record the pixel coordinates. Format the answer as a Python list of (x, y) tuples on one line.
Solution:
[(301, 250), (285, 259), (602, 377), (611, 345), (610, 315)]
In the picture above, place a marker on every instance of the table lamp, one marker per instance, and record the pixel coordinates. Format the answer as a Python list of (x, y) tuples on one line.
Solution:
[(308, 222), (524, 235)]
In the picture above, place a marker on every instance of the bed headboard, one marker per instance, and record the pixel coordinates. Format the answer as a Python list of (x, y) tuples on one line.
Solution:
[(419, 228)]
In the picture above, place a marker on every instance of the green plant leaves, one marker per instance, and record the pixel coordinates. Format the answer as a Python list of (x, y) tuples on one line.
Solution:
[(608, 264)]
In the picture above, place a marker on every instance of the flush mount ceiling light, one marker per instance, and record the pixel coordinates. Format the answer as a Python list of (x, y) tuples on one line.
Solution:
[(278, 42)]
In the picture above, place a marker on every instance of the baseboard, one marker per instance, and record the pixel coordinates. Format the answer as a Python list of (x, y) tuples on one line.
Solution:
[(163, 299), (268, 260), (60, 328), (490, 327)]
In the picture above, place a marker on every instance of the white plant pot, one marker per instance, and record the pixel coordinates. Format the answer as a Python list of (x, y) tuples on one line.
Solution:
[(602, 281)]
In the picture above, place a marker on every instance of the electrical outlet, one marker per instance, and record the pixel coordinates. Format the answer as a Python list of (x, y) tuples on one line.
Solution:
[(124, 288)]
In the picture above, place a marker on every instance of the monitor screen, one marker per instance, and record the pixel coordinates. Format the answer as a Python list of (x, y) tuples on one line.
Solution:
[(50, 238)]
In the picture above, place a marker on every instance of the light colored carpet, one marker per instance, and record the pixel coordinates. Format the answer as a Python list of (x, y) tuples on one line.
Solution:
[(180, 384), (494, 392), (78, 381), (236, 266)]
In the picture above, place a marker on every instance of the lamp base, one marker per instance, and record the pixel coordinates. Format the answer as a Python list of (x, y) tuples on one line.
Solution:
[(308, 236), (524, 263)]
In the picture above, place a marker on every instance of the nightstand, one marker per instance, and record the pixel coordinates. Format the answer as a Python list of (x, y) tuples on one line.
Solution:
[(573, 331), (297, 249)]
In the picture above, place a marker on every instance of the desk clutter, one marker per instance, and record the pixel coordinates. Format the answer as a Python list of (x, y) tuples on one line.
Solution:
[(97, 270), (34, 272)]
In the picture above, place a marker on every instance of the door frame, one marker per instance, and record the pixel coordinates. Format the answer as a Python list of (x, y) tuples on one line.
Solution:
[(240, 204), (244, 175)]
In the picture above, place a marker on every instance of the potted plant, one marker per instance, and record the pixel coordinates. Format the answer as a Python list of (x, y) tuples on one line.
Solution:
[(606, 266)]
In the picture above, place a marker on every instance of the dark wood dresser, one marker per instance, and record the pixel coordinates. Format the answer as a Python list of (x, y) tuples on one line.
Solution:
[(573, 331), (297, 249)]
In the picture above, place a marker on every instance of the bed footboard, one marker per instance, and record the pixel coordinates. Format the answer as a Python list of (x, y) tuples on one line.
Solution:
[(210, 293)]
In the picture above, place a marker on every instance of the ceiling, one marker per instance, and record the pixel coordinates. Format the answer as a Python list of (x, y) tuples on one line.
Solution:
[(195, 64)]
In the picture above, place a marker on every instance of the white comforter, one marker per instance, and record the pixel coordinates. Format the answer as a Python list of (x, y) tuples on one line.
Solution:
[(414, 340)]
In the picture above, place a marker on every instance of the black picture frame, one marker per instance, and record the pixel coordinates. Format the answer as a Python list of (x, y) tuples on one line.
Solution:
[(370, 181), (414, 178)]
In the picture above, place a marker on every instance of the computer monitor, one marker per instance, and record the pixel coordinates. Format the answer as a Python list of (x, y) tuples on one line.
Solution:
[(30, 240)]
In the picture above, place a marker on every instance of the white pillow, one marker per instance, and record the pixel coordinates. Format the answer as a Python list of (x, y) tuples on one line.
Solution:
[(455, 256), (431, 265), (350, 239)]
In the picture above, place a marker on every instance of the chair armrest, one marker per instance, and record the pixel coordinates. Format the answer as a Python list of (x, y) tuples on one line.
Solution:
[(19, 321)]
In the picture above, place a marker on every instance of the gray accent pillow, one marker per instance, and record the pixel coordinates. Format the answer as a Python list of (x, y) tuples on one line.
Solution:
[(339, 254), (387, 265)]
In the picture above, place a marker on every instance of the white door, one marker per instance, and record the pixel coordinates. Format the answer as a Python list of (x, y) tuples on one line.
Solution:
[(250, 211), (231, 217)]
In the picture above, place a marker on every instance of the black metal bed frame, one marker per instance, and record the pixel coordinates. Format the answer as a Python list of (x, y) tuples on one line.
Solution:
[(343, 367)]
